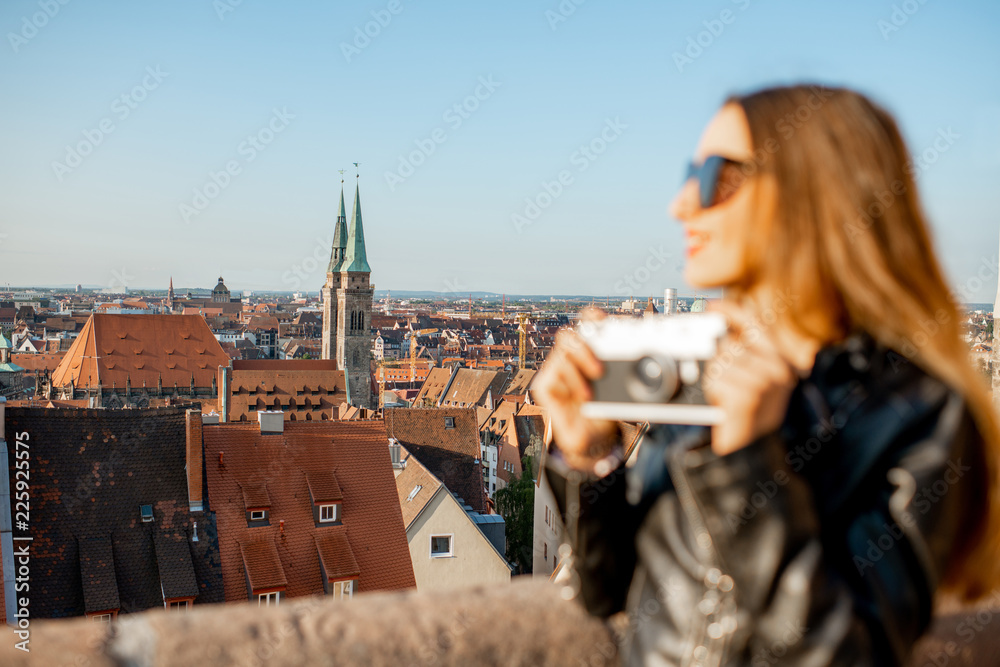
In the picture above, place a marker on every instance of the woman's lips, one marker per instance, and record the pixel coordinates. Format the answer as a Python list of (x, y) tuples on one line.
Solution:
[(695, 242)]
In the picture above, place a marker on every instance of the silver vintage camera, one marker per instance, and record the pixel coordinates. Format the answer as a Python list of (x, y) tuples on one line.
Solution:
[(653, 367)]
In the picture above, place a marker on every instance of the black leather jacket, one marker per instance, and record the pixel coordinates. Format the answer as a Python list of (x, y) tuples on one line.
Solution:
[(820, 544)]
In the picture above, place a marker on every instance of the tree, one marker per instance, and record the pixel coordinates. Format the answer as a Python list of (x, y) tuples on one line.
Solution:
[(516, 504)]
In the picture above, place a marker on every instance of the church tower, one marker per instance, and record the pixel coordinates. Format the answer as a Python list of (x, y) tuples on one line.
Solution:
[(170, 295), (347, 304), (332, 284)]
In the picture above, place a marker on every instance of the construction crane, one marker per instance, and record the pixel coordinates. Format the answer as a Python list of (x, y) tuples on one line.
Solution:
[(522, 335), (413, 350)]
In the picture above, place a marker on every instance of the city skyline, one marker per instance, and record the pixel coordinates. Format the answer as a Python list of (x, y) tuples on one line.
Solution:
[(526, 148)]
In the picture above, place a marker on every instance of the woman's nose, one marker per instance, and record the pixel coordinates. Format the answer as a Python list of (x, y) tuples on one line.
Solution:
[(685, 203)]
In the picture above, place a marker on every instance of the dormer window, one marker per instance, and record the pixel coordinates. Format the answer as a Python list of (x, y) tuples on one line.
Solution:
[(257, 504), (324, 491), (329, 513)]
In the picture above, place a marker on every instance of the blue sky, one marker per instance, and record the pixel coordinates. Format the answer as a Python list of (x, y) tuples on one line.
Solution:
[(203, 81)]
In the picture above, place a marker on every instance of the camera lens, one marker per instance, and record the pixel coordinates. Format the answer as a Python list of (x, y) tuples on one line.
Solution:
[(649, 373), (652, 380)]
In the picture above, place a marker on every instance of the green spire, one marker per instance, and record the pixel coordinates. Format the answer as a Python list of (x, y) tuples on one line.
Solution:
[(356, 259), (339, 237)]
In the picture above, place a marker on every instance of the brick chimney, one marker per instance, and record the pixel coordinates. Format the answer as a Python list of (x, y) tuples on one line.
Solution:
[(193, 459)]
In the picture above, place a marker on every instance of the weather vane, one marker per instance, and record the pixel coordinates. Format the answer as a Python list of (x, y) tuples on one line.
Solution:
[(341, 175), (358, 174)]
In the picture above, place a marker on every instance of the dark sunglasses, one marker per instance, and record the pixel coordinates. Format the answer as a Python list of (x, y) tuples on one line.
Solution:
[(718, 179)]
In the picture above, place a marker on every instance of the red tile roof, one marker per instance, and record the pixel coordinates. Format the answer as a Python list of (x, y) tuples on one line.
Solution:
[(112, 348), (357, 453), (262, 565), (323, 486), (412, 499), (292, 383), (336, 555), (38, 362)]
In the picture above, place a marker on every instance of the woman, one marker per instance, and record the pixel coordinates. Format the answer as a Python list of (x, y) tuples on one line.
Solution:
[(854, 475)]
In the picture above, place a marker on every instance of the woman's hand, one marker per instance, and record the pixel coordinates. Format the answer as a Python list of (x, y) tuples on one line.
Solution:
[(562, 386), (749, 378)]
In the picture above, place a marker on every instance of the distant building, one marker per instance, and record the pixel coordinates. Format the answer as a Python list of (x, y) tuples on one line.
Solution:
[(220, 293), (304, 390), (11, 375), (462, 387), (347, 303), (124, 360)]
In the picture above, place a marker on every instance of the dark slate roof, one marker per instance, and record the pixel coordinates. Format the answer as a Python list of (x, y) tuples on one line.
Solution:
[(173, 559), (97, 571), (91, 470), (450, 454)]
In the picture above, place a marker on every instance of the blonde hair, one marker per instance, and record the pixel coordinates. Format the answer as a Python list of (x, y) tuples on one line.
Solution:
[(847, 231)]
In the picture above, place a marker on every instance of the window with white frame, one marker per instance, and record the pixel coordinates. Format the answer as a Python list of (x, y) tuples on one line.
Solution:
[(258, 515), (342, 590), (268, 599), (441, 546), (102, 618), (178, 605), (329, 513)]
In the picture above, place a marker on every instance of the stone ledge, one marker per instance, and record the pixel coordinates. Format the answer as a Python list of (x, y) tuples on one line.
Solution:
[(525, 623)]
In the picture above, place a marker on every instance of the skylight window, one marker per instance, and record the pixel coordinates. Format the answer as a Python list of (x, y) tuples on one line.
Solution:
[(147, 513), (413, 493)]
